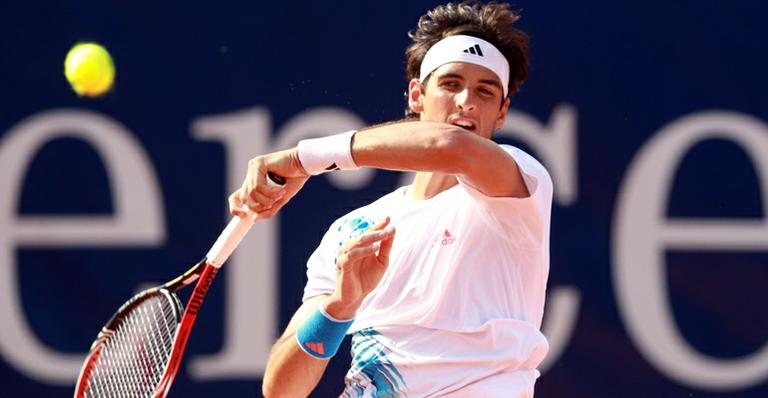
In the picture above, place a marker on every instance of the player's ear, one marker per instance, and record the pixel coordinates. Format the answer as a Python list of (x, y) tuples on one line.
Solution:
[(415, 96), (502, 114)]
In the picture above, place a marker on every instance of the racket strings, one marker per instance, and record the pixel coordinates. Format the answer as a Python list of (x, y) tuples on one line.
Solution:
[(133, 359)]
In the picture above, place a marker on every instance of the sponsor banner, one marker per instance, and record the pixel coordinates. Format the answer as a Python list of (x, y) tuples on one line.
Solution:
[(651, 118)]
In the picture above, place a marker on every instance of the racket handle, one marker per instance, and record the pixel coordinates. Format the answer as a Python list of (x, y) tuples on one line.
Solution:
[(236, 230)]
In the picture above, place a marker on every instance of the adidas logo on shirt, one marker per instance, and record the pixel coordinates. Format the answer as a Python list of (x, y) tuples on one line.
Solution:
[(474, 50), (447, 238)]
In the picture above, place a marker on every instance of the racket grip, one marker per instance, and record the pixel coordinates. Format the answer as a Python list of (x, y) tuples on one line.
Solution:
[(236, 230)]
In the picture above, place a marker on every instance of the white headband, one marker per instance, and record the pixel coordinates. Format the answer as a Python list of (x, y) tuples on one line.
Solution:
[(460, 48)]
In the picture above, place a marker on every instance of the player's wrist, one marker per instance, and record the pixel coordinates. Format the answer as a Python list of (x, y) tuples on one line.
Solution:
[(322, 333), (324, 154), (296, 162), (340, 309)]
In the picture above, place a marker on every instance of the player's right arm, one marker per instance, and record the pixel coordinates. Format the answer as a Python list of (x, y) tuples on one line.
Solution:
[(403, 146)]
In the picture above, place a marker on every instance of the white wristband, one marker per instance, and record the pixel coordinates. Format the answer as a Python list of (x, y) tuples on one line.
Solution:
[(334, 152)]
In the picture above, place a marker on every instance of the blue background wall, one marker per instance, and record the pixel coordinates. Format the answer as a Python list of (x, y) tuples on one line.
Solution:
[(626, 74)]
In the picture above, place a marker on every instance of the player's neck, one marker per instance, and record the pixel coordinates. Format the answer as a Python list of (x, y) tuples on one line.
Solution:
[(426, 185)]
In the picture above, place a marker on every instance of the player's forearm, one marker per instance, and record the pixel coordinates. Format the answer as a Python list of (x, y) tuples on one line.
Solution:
[(412, 146), (440, 148), (415, 146), (290, 371)]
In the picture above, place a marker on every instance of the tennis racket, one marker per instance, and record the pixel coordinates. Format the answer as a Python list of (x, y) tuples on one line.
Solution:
[(138, 352)]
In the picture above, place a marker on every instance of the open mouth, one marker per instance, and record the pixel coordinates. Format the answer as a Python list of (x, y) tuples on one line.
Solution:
[(465, 124)]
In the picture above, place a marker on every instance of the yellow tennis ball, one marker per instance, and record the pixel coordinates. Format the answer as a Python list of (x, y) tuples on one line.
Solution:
[(89, 69)]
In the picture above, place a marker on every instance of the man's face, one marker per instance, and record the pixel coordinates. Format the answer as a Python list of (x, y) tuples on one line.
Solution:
[(462, 94)]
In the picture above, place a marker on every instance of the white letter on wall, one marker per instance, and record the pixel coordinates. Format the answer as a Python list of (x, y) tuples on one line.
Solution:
[(137, 221), (642, 234)]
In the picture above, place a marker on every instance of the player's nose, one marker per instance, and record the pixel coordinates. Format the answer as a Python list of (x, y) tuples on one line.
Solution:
[(465, 100)]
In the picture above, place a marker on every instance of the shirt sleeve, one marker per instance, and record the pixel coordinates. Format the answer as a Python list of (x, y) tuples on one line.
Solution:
[(524, 220), (321, 266)]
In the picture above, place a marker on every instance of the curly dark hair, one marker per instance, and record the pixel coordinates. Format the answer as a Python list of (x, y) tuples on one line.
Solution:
[(492, 22)]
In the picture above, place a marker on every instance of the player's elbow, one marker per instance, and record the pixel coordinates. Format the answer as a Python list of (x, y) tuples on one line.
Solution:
[(269, 390), (268, 387), (288, 380), (272, 389)]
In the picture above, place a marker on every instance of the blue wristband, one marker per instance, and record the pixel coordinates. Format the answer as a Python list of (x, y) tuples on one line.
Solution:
[(321, 335)]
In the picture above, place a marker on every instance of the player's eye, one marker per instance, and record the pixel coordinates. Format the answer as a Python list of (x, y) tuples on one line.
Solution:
[(450, 84), (487, 92)]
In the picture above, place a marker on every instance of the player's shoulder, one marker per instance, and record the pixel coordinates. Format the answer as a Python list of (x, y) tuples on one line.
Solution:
[(529, 164)]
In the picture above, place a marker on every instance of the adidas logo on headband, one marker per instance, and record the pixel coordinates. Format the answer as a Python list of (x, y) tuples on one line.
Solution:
[(462, 48), (474, 50)]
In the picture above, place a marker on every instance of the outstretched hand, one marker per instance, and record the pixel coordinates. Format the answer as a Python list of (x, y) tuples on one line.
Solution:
[(360, 265), (264, 198)]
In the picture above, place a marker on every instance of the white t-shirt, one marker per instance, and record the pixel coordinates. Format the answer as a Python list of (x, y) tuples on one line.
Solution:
[(459, 308)]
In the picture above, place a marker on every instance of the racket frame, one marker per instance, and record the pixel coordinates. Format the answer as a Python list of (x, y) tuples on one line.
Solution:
[(204, 272)]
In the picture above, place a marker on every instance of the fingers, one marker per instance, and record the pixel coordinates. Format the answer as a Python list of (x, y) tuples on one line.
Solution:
[(259, 195), (386, 246), (262, 195), (289, 190), (361, 252), (380, 225), (373, 236), (260, 199), (266, 205), (369, 243), (234, 204), (265, 196)]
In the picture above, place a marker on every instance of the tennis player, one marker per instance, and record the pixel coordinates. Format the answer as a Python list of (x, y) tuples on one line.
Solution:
[(441, 283)]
